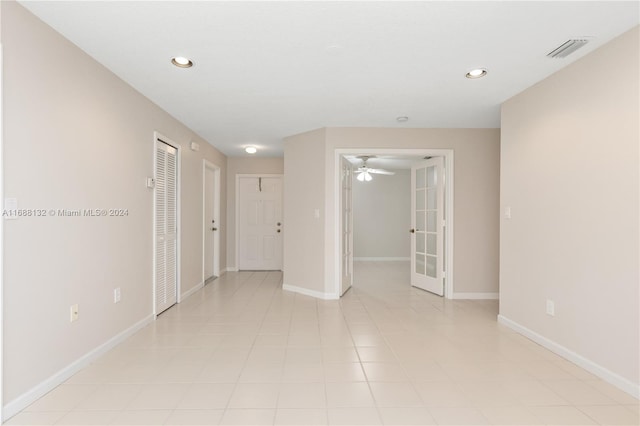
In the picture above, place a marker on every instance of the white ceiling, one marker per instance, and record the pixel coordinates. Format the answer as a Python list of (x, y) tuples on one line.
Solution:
[(266, 70)]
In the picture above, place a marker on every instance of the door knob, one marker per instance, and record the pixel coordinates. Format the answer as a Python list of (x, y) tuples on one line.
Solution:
[(413, 231), (214, 229)]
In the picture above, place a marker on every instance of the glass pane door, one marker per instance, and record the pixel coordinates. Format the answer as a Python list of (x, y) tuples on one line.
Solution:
[(427, 225)]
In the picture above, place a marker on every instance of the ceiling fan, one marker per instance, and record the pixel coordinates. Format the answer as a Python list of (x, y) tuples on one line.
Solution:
[(364, 173)]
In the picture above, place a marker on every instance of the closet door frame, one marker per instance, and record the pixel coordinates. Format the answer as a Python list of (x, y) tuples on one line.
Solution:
[(157, 139)]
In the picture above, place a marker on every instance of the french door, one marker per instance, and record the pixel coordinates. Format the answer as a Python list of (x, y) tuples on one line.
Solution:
[(166, 227), (346, 225), (427, 225), (260, 223)]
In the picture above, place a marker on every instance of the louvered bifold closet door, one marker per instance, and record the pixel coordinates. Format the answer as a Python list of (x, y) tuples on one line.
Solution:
[(166, 250)]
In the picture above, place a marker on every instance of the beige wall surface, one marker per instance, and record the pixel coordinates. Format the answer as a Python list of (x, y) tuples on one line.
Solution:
[(244, 165), (382, 216), (303, 194), (77, 137), (570, 171), (476, 194)]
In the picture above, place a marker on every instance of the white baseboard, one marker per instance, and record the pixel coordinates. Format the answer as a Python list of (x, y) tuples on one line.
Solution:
[(608, 376), (230, 269), (23, 401), (476, 296), (308, 292), (381, 259), (188, 293)]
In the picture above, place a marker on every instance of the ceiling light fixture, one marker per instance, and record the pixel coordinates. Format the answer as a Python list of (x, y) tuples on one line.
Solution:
[(364, 176), (477, 73), (402, 119), (181, 62), (251, 150)]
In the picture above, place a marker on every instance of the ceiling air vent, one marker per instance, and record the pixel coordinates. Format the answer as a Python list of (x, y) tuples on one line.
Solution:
[(567, 48)]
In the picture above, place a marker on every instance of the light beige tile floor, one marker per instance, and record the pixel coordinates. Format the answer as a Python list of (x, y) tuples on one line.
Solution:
[(243, 351)]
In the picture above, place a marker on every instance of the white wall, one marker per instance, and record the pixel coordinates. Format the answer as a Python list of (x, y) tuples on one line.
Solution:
[(382, 216), (244, 165), (76, 136), (570, 171)]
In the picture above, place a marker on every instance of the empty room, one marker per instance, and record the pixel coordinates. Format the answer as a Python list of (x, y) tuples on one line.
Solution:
[(320, 212)]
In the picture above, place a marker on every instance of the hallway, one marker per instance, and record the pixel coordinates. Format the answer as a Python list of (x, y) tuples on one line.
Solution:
[(243, 351)]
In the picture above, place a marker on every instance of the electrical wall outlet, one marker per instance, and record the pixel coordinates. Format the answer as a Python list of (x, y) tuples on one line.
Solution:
[(74, 314), (116, 295), (551, 307)]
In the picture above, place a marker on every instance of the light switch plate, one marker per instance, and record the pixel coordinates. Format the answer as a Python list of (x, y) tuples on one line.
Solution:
[(551, 307), (507, 212), (10, 205)]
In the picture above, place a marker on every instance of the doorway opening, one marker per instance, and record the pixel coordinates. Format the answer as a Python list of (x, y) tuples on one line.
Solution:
[(210, 222), (427, 253)]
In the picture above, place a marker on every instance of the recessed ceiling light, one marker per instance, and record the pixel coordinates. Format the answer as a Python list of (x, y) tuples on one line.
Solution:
[(402, 119), (181, 62), (251, 150), (477, 73)]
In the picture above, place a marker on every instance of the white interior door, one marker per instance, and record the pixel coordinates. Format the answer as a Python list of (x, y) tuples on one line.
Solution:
[(166, 227), (346, 224), (427, 225), (210, 223), (260, 223)]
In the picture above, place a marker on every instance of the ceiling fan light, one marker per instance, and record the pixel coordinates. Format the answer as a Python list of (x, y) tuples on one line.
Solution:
[(360, 177), (367, 176)]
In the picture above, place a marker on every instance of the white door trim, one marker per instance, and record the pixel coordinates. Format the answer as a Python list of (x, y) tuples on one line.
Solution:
[(449, 191), (158, 137), (237, 215), (216, 214), (1, 247)]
